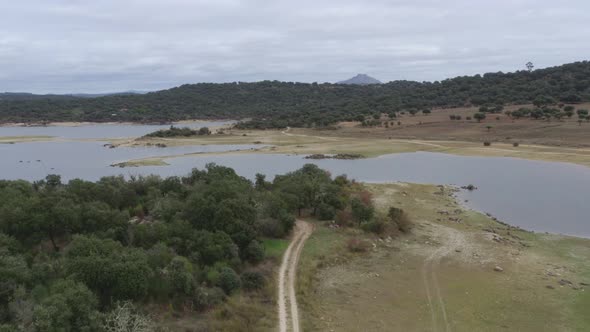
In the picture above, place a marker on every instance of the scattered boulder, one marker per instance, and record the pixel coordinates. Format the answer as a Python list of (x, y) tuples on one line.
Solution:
[(498, 269), (550, 287)]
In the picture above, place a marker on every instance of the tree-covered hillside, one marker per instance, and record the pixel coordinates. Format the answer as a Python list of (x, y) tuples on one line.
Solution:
[(279, 104)]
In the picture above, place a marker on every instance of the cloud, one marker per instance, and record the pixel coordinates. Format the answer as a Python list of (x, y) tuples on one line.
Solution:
[(63, 46)]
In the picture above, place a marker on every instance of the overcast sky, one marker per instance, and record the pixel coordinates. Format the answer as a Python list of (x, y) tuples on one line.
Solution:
[(63, 46)]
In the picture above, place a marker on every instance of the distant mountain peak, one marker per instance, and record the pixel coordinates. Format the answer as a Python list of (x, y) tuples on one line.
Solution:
[(361, 79)]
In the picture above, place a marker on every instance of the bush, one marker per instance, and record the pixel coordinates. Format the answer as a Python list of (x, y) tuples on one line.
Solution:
[(400, 218), (254, 252), (375, 226), (180, 272), (515, 144), (361, 211), (228, 280), (287, 220), (487, 143), (326, 212), (253, 280), (125, 317), (272, 228), (357, 245), (205, 298), (343, 218)]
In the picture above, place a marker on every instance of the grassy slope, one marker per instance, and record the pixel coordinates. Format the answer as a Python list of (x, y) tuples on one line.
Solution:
[(387, 288)]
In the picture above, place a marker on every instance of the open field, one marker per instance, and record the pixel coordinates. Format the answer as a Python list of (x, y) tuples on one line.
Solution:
[(438, 126), (441, 277)]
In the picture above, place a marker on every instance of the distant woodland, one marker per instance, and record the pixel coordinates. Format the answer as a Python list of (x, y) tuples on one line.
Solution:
[(273, 104)]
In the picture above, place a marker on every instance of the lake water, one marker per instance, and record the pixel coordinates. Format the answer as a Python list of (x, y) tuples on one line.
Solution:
[(88, 160), (540, 196), (100, 131)]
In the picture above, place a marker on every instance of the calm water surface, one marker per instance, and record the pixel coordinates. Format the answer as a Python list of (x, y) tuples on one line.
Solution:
[(100, 130), (540, 196)]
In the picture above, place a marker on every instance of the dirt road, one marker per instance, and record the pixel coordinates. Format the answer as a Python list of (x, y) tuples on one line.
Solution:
[(287, 278), (450, 240)]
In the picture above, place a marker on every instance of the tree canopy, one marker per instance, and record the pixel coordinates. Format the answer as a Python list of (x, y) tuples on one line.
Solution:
[(73, 255)]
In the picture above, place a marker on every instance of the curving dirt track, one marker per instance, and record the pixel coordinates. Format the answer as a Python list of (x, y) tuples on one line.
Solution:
[(287, 278)]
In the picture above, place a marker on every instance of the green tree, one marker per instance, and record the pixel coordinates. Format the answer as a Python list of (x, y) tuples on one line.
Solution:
[(180, 271), (254, 252), (479, 116), (108, 268), (360, 211), (229, 280), (70, 306)]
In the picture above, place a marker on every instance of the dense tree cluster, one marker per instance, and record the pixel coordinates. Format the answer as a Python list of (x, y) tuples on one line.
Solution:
[(272, 104), (72, 253), (548, 112), (180, 132)]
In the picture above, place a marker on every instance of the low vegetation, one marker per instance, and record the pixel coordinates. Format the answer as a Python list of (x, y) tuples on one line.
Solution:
[(457, 269)]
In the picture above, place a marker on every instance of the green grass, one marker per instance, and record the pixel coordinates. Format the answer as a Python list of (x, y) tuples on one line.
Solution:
[(275, 247)]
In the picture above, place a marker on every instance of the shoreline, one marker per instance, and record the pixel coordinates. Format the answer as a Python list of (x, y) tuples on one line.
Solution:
[(91, 123)]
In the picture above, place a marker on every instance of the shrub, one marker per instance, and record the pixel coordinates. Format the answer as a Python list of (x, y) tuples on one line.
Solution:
[(272, 228), (400, 218), (125, 317), (287, 220), (375, 226), (180, 272), (205, 297), (343, 218), (357, 245), (515, 144), (228, 280), (254, 252), (468, 118), (360, 211), (487, 143), (253, 280), (326, 212)]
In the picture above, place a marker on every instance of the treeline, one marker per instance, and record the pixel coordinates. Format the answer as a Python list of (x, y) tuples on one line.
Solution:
[(272, 104), (71, 252), (180, 132)]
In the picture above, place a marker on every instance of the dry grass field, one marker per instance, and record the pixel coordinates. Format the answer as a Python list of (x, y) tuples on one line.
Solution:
[(442, 276), (438, 126)]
